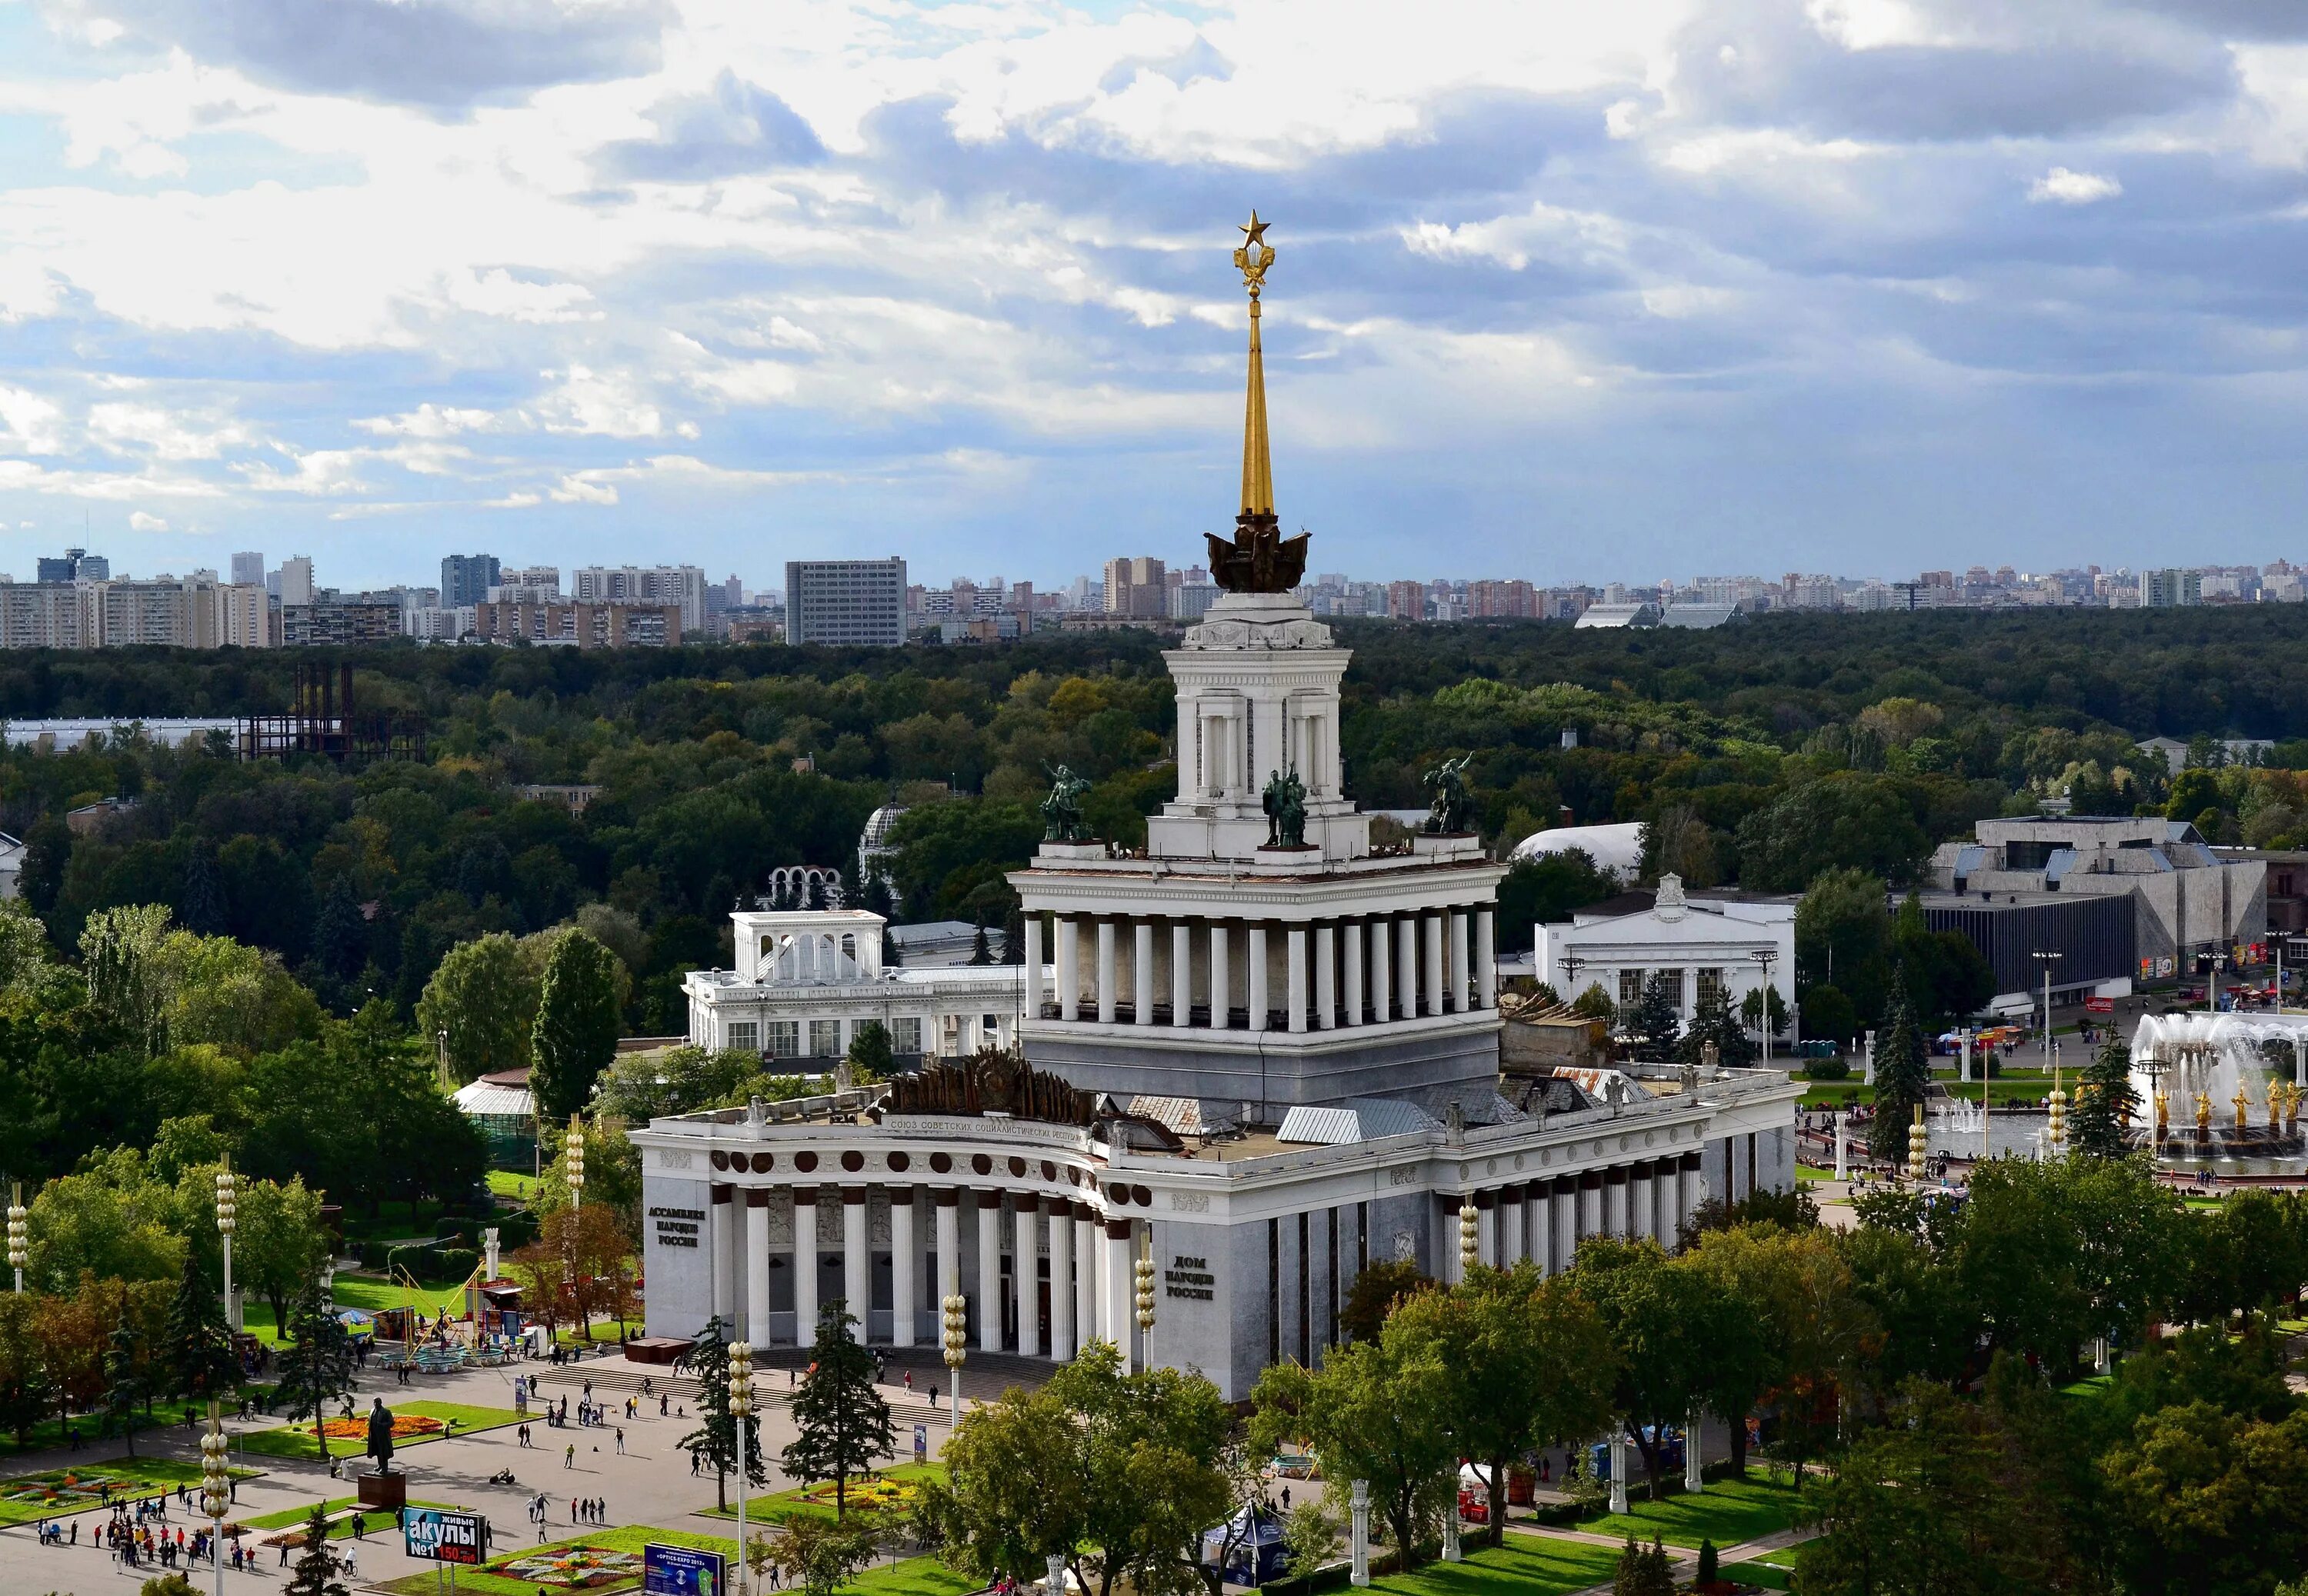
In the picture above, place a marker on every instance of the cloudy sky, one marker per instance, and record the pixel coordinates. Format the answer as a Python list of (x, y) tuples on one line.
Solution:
[(1573, 291)]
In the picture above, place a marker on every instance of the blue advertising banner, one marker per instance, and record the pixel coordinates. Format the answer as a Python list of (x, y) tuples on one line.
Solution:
[(441, 1536), (680, 1571)]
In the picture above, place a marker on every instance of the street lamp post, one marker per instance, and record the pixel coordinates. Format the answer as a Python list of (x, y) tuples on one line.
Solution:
[(1144, 1271), (19, 1235), (2212, 987), (1571, 963), (741, 1409), (1470, 1237), (216, 1487), (574, 1151), (2047, 959), (226, 1208), (957, 1345)]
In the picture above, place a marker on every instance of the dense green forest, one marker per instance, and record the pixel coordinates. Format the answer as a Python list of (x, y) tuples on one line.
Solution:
[(1761, 754)]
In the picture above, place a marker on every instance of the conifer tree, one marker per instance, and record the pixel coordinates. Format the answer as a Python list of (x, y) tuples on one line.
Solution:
[(314, 1572), (575, 1035), (198, 1355), (715, 1440), (843, 1424), (124, 1377), (1903, 1072), (2105, 1099), (318, 1363)]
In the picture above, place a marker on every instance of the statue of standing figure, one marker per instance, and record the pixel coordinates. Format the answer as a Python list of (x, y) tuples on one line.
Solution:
[(1062, 815), (1285, 802), (1447, 811), (379, 1435)]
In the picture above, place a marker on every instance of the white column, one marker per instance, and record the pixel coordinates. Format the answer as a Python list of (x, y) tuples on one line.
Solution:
[(1512, 1247), (1221, 979), (1686, 1193), (1061, 1278), (1086, 1297), (856, 1262), (804, 1267), (1614, 1203), (1256, 972), (1534, 1227), (989, 1269), (1181, 980), (1487, 959), (1456, 1000), (757, 1264), (948, 1246), (905, 1260), (1121, 1311), (1033, 966), (1142, 972), (1843, 1146), (728, 1219), (1486, 1232), (1433, 928), (1350, 960), (1106, 971), (1381, 992), (1326, 977), (1406, 967), (1295, 979), (1024, 1278), (1069, 973), (1663, 1202), (1591, 1209), (1639, 1216)]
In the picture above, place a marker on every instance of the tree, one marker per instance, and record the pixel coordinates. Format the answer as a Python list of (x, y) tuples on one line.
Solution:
[(577, 1025), (2105, 1103), (1843, 938), (981, 951), (126, 983), (200, 899), (1374, 1411), (479, 1008), (1643, 1570), (126, 1386), (841, 1423), (1546, 890), (1377, 1292), (1850, 819), (317, 1364), (1656, 1021), (24, 1391), (715, 1441), (340, 934), (1014, 933), (1525, 1362), (1015, 1491), (871, 1058), (1903, 1074), (818, 1556), (314, 1573), (279, 1241), (1594, 1003), (199, 1356), (1711, 1020), (1792, 1335), (1758, 1002), (1662, 1317)]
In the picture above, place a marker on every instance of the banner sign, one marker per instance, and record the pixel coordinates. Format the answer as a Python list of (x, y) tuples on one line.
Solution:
[(680, 1571), (440, 1536)]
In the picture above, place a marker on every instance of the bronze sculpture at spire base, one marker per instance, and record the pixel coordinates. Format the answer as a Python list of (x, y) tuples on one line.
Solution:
[(1260, 559)]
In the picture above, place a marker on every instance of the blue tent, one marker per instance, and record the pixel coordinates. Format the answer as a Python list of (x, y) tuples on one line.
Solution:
[(1256, 1555)]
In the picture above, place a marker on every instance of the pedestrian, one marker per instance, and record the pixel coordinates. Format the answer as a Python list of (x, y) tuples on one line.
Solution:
[(662, 1398), (621, 1441), (569, 1458)]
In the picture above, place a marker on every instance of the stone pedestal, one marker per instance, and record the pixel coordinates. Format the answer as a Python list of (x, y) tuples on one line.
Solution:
[(385, 1491), (1619, 1474), (1361, 1500)]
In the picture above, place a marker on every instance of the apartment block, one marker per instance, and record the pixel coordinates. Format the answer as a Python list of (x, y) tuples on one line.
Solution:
[(579, 624), (466, 578), (682, 586), (1511, 599), (858, 602), (337, 622)]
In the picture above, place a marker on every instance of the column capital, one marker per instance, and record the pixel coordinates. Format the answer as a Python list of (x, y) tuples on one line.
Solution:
[(1119, 1230), (946, 1197), (989, 1199), (758, 1196), (1616, 1175), (1486, 1198), (853, 1196), (900, 1197), (721, 1191)]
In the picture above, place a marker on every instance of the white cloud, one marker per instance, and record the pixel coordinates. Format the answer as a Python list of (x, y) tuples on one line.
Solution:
[(29, 424), (2060, 186), (141, 522)]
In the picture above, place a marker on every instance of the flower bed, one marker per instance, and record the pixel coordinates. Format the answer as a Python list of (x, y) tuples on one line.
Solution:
[(570, 1567), (404, 1426), (863, 1493), (66, 1490)]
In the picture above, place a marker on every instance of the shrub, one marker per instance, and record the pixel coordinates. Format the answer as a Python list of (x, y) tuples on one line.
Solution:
[(1827, 1069)]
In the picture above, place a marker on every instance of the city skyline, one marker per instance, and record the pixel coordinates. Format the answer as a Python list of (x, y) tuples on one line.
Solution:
[(1926, 279)]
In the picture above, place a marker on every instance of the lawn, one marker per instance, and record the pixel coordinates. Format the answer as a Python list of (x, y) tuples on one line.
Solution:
[(2094, 1385), (817, 1499), (511, 1183), (2004, 1088), (339, 1530), (296, 1440), (1728, 1512), (1770, 1575), (56, 1493), (1532, 1565)]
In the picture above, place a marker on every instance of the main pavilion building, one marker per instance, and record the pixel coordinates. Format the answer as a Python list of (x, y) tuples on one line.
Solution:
[(1261, 1052)]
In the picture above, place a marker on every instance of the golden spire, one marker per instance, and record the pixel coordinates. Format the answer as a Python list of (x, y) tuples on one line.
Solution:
[(1252, 258)]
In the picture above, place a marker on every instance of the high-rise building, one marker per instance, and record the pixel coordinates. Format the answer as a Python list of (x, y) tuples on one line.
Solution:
[(1407, 601), (1136, 587), (2170, 590), (680, 585), (846, 601), (1512, 599), (75, 565), (248, 571), (466, 578), (296, 579)]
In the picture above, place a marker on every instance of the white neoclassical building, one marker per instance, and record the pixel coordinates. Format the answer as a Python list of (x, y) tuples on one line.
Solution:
[(807, 979), (1731, 941), (1253, 1062)]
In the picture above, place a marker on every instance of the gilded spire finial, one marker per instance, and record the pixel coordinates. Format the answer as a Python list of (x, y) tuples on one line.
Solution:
[(1259, 559)]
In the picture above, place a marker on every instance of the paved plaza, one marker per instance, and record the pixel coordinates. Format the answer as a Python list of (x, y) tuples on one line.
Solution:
[(649, 1483)]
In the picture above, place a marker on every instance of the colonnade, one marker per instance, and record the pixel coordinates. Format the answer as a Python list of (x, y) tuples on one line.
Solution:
[(1259, 975), (1544, 1220), (1092, 1285)]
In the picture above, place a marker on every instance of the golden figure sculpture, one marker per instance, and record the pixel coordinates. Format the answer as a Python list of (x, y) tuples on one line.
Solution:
[(2203, 1116), (2163, 1113), (2242, 1100), (1259, 559)]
